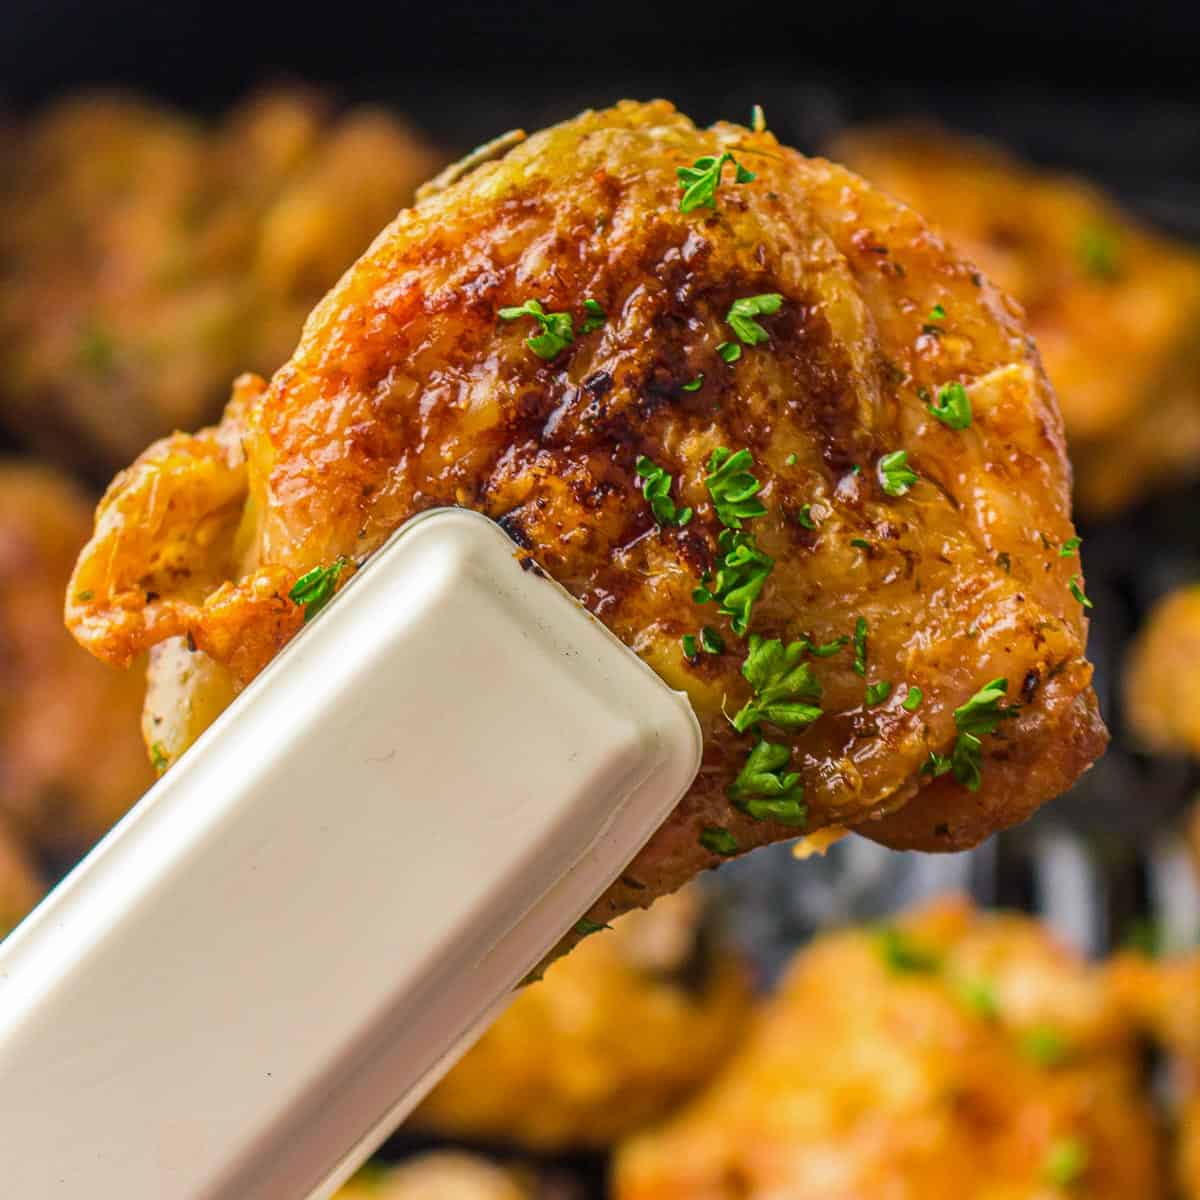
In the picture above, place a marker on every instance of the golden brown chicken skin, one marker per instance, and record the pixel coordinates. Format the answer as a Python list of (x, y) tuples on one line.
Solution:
[(146, 259), (1163, 999), (1115, 308), (1162, 681), (410, 389), (610, 1041), (954, 1054), (70, 759)]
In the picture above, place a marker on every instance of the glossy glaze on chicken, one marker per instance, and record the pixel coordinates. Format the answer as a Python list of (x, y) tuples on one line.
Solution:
[(417, 384)]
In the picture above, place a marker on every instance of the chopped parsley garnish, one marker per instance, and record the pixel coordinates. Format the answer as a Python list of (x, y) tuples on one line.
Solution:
[(1045, 1046), (584, 926), (937, 313), (1099, 252), (701, 180), (785, 689), (905, 956), (860, 646), (711, 641), (1078, 593), (596, 316), (765, 790), (158, 758), (693, 385), (718, 841), (827, 650), (790, 461), (1070, 547), (657, 489), (557, 328), (740, 317), (804, 517), (84, 596), (96, 350), (1066, 1161), (730, 352), (314, 589), (953, 406), (733, 487), (980, 715), (979, 995), (860, 543), (688, 642), (1004, 562), (912, 698), (740, 577), (895, 475), (877, 693)]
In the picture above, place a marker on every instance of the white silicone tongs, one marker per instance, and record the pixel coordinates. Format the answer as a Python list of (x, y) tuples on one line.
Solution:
[(262, 969)]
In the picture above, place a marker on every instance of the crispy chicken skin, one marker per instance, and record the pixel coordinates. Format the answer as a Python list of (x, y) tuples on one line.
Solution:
[(1162, 681), (1114, 307), (958, 1054), (70, 760), (145, 258), (613, 1038), (408, 392)]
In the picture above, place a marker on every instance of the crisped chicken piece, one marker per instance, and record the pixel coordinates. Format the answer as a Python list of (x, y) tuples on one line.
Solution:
[(617, 1034), (144, 259), (440, 1176), (772, 342), (20, 886), (70, 760), (1163, 998), (1115, 308), (954, 1054), (1162, 681)]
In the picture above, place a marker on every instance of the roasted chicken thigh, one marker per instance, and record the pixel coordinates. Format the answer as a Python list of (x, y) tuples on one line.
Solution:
[(687, 371)]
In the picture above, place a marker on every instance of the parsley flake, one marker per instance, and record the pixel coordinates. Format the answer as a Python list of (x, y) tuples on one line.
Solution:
[(979, 995), (979, 716), (314, 589), (804, 517), (1066, 1161), (904, 955), (912, 698), (895, 475), (953, 407), (1099, 252), (827, 650), (1078, 593), (718, 841), (740, 577), (657, 490), (790, 461), (693, 385), (596, 316), (1044, 1045), (688, 642), (585, 926), (733, 487), (784, 686), (937, 313), (860, 543), (701, 180), (557, 328), (765, 790), (740, 317), (711, 641), (159, 758), (730, 352), (877, 693), (1070, 547), (860, 646)]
